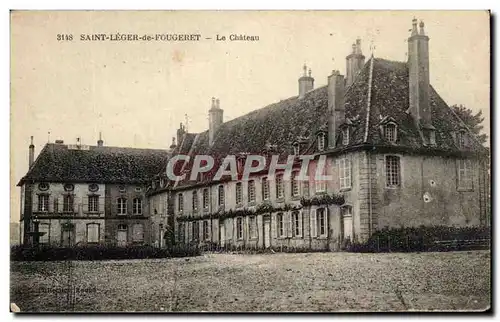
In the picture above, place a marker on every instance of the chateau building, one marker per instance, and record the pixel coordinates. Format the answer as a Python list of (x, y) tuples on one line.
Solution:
[(397, 155), (392, 153), (76, 194)]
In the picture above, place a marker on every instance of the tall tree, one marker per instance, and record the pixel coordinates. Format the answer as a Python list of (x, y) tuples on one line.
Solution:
[(473, 121)]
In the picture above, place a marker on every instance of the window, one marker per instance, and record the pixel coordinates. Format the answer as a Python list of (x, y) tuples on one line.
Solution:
[(297, 223), (69, 187), (92, 233), (251, 191), (321, 221), (138, 233), (195, 230), (346, 212), (321, 141), (121, 206), (68, 203), (93, 187), (279, 186), (390, 132), (305, 188), (280, 225), (296, 149), (206, 199), (122, 227), (345, 173), (294, 185), (239, 193), (45, 237), (345, 136), (265, 189), (465, 174), (138, 189), (93, 205), (206, 232), (137, 206), (221, 195), (195, 201), (43, 203), (320, 186), (43, 186), (461, 139), (239, 228), (122, 188), (392, 171), (180, 202), (252, 223)]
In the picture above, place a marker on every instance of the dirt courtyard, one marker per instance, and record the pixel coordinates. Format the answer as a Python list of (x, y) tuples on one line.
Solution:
[(272, 282)]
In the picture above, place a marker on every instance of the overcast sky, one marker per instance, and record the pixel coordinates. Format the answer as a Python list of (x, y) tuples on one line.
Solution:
[(137, 93)]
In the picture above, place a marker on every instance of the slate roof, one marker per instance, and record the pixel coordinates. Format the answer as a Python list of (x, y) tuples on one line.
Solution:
[(280, 124), (57, 163)]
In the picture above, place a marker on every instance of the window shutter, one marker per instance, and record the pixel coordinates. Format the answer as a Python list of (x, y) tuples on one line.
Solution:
[(312, 216), (289, 224), (274, 226), (327, 221), (301, 228)]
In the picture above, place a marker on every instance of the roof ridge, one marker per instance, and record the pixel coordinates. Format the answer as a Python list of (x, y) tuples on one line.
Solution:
[(368, 103)]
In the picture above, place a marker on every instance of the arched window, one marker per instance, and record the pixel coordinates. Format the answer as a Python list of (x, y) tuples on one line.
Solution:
[(137, 206), (121, 206)]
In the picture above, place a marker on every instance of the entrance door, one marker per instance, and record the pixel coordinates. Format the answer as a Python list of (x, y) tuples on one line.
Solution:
[(222, 232), (267, 232), (68, 237), (121, 237)]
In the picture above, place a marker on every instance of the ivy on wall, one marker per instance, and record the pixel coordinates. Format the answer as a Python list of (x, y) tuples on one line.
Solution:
[(324, 199), (267, 208)]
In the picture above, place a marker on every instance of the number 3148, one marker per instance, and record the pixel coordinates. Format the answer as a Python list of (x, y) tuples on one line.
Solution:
[(64, 37)]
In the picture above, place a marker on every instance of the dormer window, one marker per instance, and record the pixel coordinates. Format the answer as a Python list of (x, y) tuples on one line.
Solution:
[(321, 141), (345, 136), (461, 139), (390, 132)]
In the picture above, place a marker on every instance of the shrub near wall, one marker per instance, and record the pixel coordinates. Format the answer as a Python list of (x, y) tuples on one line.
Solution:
[(425, 238), (100, 252)]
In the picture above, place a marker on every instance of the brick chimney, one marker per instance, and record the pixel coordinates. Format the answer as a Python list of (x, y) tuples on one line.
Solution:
[(419, 85), (31, 154), (306, 82), (180, 133), (354, 62), (100, 142), (336, 110), (215, 116)]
